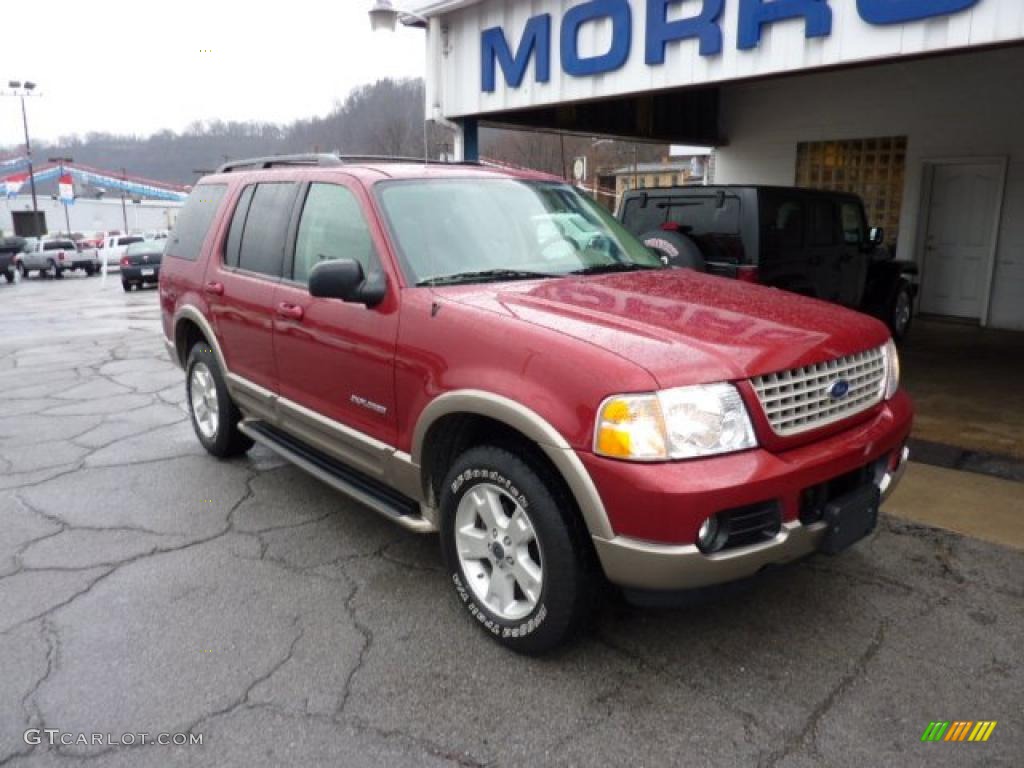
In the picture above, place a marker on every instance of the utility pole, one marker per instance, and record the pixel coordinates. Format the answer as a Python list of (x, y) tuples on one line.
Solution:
[(124, 206)]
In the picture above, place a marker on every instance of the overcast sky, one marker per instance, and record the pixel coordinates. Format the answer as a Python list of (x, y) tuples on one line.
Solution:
[(139, 67)]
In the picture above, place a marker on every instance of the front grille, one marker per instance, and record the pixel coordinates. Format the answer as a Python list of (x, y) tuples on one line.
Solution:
[(800, 399)]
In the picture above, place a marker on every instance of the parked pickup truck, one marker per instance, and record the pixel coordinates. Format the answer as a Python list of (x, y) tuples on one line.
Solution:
[(55, 257), (559, 405), (810, 242)]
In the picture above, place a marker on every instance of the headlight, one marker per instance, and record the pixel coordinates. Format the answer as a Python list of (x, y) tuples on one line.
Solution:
[(891, 358), (678, 423)]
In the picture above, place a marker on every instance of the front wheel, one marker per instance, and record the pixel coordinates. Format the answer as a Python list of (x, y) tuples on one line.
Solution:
[(126, 286), (214, 415), (514, 550), (900, 311)]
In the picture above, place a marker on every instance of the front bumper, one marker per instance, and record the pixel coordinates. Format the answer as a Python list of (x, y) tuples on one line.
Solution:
[(656, 510)]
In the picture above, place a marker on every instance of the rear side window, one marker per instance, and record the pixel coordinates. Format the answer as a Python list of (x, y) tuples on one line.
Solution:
[(266, 229), (332, 227), (194, 221), (783, 222)]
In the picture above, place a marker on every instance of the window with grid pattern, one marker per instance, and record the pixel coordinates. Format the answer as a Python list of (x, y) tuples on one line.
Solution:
[(872, 168)]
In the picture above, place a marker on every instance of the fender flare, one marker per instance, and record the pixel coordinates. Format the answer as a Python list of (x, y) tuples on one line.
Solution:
[(188, 312), (533, 426)]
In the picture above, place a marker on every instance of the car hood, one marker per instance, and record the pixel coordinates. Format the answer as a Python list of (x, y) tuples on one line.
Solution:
[(682, 326)]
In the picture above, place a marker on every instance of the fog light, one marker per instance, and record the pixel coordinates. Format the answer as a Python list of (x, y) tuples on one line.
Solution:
[(710, 537)]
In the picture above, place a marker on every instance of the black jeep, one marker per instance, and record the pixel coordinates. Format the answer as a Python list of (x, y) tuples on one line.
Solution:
[(807, 241)]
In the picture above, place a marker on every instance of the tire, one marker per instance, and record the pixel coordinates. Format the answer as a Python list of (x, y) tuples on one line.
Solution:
[(90, 270), (22, 270), (9, 275), (54, 271), (899, 311), (205, 388), (675, 249), (127, 286), (485, 490)]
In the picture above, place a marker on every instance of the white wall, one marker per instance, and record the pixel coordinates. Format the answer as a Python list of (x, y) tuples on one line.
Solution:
[(963, 105), (93, 215)]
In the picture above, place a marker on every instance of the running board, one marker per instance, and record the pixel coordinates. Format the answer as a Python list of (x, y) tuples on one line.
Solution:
[(373, 494)]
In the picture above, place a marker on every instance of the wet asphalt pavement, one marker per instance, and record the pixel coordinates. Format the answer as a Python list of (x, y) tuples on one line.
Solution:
[(146, 587)]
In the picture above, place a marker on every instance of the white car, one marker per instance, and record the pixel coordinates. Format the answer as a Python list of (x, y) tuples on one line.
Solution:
[(114, 247)]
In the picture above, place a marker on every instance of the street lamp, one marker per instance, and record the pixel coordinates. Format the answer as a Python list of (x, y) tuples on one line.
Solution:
[(384, 16), (22, 90), (60, 162)]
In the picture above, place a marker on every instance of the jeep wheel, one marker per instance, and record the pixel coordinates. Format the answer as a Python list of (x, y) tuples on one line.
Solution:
[(900, 312), (214, 416), (511, 548)]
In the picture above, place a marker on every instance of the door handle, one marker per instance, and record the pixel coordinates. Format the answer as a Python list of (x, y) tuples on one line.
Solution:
[(290, 311), (217, 289)]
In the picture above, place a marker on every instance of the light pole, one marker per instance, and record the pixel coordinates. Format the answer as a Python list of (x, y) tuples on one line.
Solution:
[(60, 163), (22, 90)]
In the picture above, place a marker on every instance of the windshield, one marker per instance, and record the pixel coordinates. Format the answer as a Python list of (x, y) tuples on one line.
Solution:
[(471, 230)]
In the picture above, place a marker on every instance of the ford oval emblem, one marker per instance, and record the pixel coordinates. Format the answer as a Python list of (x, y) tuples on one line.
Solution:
[(839, 389)]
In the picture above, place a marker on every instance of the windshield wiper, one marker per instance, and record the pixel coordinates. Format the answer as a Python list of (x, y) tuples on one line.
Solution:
[(483, 275), (618, 266)]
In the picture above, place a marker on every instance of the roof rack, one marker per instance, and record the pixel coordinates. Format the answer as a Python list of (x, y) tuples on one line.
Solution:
[(324, 160)]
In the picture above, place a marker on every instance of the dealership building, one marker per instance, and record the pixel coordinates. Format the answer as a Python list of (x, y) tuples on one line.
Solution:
[(916, 105)]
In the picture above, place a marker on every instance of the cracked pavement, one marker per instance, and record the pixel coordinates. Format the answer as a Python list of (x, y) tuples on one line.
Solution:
[(147, 587)]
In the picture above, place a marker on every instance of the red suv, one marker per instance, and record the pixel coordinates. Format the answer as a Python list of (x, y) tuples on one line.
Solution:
[(490, 355)]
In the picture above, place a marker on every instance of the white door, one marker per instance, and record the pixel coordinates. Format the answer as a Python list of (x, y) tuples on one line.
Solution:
[(958, 247)]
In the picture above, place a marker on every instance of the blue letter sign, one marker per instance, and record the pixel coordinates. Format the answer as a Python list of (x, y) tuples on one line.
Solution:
[(899, 11), (494, 48), (757, 13), (661, 31), (618, 11)]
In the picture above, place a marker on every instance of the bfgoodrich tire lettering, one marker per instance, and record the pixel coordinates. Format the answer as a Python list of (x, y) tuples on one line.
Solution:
[(222, 439), (514, 497)]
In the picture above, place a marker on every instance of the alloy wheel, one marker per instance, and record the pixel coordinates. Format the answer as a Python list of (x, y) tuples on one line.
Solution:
[(203, 398), (498, 551)]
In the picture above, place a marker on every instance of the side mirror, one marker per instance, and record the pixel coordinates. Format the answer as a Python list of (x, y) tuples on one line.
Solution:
[(344, 279), (876, 236)]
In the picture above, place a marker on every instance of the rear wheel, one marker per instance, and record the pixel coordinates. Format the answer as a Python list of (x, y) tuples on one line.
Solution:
[(22, 270), (126, 286), (513, 550), (54, 271), (90, 270), (214, 415)]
